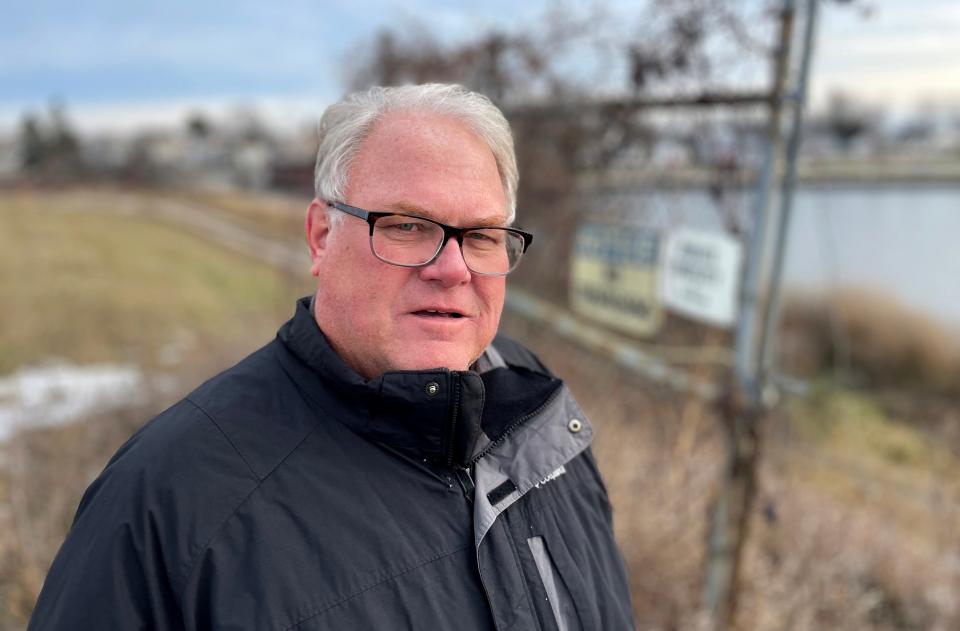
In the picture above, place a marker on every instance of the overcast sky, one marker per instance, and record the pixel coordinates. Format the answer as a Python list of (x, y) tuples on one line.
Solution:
[(122, 62)]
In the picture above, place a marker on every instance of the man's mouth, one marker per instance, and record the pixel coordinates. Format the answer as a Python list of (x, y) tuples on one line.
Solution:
[(436, 313)]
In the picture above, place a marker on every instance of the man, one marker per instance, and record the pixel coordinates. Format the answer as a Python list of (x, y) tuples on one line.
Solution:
[(384, 463)]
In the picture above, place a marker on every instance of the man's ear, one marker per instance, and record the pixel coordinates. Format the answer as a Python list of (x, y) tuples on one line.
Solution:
[(317, 225)]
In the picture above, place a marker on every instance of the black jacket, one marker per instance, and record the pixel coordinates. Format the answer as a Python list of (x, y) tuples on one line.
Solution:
[(289, 493)]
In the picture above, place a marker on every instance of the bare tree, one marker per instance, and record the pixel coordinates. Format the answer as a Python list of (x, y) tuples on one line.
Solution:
[(570, 87), (49, 147)]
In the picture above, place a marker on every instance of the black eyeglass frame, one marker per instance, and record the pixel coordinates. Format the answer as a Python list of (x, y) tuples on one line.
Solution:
[(371, 218)]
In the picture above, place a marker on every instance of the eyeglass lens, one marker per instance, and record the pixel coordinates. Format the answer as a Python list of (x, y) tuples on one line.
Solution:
[(411, 241)]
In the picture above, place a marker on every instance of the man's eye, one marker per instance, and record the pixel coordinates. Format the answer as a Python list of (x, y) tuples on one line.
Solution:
[(484, 238), (404, 226)]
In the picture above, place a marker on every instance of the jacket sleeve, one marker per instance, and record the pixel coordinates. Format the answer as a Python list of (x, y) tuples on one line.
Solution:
[(142, 525), (109, 573)]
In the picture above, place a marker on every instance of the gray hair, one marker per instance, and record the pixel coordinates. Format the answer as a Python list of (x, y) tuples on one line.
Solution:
[(345, 125)]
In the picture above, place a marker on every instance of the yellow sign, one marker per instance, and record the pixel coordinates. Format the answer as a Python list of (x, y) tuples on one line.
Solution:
[(613, 276)]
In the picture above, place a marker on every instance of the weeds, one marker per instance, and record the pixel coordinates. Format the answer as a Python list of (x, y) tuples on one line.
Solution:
[(869, 338)]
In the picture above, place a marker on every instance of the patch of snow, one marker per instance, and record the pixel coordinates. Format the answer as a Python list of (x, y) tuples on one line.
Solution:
[(62, 392)]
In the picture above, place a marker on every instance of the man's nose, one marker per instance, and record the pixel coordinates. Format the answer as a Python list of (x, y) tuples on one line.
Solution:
[(449, 266)]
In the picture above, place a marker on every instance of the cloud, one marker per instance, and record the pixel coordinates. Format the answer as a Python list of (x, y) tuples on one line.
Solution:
[(902, 53), (116, 51)]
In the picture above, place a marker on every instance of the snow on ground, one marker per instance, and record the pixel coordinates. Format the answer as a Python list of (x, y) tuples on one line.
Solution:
[(59, 393)]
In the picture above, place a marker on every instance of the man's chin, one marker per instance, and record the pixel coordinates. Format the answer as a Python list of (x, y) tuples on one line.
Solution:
[(436, 355)]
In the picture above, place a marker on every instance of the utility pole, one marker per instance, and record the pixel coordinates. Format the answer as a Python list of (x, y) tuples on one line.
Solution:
[(743, 409)]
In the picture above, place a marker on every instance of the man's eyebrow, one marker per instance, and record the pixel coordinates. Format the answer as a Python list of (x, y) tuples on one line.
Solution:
[(493, 221), (409, 208)]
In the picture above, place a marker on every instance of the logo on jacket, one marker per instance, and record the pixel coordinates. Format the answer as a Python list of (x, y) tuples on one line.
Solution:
[(553, 476)]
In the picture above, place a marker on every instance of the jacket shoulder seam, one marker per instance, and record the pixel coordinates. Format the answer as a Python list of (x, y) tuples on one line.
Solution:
[(226, 437), (192, 562)]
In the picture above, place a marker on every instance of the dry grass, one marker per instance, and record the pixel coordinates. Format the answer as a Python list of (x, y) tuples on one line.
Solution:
[(870, 337), (44, 473), (857, 528), (89, 282), (274, 215)]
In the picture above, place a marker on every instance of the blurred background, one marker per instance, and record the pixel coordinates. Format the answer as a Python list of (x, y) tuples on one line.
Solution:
[(758, 310)]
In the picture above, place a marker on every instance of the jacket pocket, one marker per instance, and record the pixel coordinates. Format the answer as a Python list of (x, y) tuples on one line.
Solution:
[(558, 594)]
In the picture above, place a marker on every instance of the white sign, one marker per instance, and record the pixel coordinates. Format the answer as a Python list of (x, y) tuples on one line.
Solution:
[(701, 275), (613, 276)]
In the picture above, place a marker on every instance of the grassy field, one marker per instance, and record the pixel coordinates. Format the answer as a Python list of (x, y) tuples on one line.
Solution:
[(276, 216), (85, 282)]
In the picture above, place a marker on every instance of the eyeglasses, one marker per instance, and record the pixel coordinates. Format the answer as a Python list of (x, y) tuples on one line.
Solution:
[(411, 241)]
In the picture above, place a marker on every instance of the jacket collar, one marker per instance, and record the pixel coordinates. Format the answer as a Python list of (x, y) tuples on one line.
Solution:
[(444, 416)]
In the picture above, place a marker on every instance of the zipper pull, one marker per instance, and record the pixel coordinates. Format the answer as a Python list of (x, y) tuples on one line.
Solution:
[(466, 483)]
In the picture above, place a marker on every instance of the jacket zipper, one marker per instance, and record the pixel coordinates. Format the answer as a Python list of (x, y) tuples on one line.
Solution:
[(452, 428), (466, 482), (486, 595), (520, 421)]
